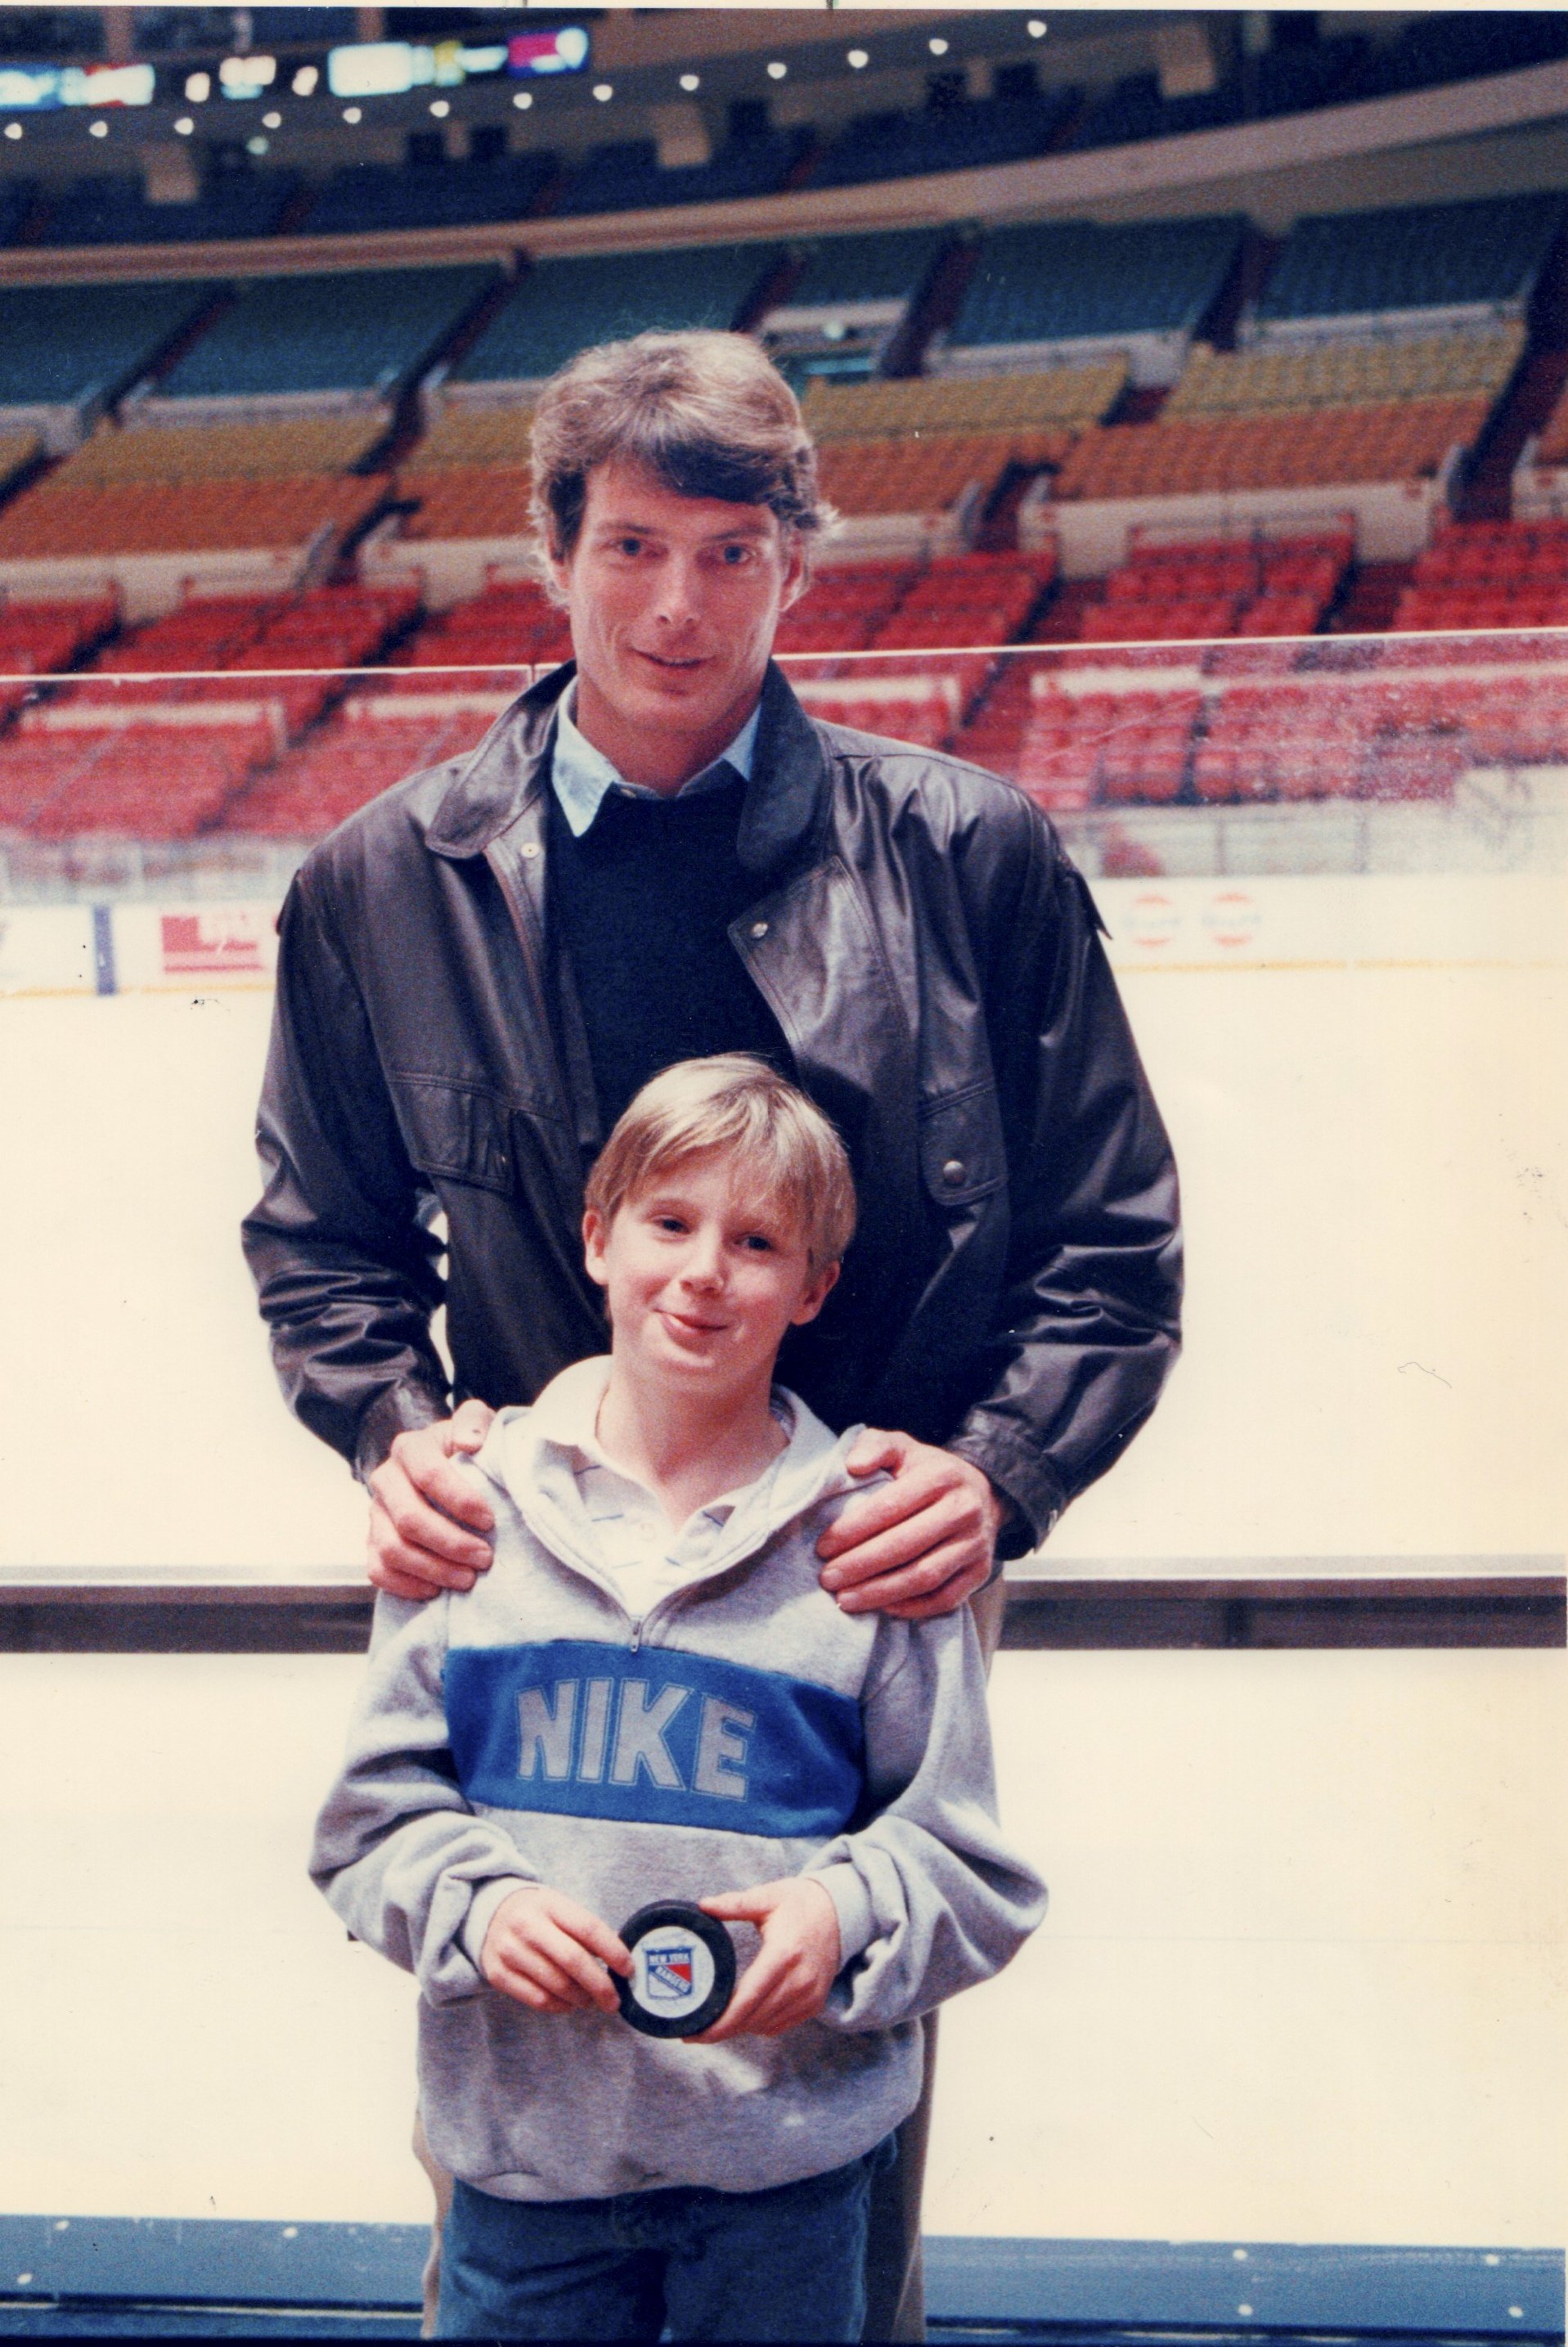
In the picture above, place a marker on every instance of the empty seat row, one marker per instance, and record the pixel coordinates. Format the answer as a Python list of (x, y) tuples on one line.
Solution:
[(206, 515), (1060, 280), (930, 474), (1346, 374), (1037, 400), (1407, 440), (1411, 257), (257, 449)]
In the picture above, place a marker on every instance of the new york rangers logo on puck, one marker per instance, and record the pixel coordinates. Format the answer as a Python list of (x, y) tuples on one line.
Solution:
[(672, 1971), (682, 1970)]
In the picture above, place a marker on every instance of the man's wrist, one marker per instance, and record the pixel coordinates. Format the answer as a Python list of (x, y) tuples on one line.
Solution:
[(396, 1409), (1014, 1535)]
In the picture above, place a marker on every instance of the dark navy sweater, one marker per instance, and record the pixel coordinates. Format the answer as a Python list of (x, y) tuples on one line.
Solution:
[(640, 906)]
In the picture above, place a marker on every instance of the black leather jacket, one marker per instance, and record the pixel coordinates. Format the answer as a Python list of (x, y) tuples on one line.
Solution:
[(931, 957)]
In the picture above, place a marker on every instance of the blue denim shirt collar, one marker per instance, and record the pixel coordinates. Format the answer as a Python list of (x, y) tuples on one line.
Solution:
[(583, 777)]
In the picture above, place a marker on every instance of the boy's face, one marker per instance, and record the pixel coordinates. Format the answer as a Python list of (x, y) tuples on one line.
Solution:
[(703, 1275)]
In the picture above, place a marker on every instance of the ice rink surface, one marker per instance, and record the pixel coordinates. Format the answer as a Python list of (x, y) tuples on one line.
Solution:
[(1302, 1976)]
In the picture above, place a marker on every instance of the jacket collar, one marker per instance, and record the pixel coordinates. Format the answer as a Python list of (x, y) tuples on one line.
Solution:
[(785, 801)]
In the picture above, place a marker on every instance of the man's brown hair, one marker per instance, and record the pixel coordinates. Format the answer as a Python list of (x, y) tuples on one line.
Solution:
[(709, 414)]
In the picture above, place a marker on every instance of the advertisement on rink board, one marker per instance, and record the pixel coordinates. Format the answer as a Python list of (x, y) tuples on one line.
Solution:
[(1269, 923)]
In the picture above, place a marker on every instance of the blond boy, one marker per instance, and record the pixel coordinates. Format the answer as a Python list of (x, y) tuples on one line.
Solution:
[(651, 1696)]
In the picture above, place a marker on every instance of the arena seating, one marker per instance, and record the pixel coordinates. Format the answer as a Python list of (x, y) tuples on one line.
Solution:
[(1048, 397), (514, 624), (627, 175), (1395, 441), (361, 197), (160, 757), (1432, 47), (59, 348), (965, 600), (113, 210), (39, 638), (466, 501), (324, 631), (208, 515), (462, 434), (889, 265), (928, 474), (563, 305), (1489, 575), (1067, 280), (359, 329), (1249, 586), (1375, 738), (843, 606), (256, 450), (349, 761), (1484, 254), (1134, 109), (893, 146), (1346, 374)]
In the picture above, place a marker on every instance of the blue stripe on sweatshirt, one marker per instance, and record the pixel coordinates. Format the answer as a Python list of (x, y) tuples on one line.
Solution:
[(653, 1736)]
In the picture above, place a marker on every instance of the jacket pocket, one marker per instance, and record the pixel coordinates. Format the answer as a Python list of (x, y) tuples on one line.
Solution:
[(460, 1131), (962, 1157)]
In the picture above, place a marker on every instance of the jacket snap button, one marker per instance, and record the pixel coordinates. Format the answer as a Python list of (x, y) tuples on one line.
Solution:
[(530, 847), (759, 929), (953, 1172)]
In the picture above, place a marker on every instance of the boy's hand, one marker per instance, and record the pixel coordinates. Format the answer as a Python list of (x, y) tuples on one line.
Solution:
[(549, 1953), (918, 1546), (788, 1979), (419, 1504)]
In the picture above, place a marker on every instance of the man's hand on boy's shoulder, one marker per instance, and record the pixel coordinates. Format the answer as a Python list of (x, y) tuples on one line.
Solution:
[(918, 1546), (788, 1979), (420, 1503), (551, 1953)]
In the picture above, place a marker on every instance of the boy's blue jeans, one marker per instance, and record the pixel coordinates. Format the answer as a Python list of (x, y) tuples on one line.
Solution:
[(682, 2263)]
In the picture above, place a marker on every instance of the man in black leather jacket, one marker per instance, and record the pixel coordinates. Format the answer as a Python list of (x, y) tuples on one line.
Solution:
[(471, 966)]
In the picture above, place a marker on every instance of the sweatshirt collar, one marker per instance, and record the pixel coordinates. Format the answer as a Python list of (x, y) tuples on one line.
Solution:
[(533, 1454), (786, 800)]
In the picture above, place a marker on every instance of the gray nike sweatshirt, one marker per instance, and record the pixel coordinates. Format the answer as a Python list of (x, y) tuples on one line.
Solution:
[(530, 1730)]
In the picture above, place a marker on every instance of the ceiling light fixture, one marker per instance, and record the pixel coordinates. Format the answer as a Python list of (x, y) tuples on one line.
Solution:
[(690, 82), (272, 121), (304, 82), (199, 87), (1036, 29), (523, 100), (353, 113), (99, 129), (604, 91), (184, 127), (440, 108), (777, 70), (13, 130), (938, 47), (257, 145), (858, 60)]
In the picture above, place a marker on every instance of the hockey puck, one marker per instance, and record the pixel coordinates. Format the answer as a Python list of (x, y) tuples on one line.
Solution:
[(682, 1970)]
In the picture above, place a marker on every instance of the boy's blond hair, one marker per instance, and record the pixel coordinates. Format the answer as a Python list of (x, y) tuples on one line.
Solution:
[(738, 1104)]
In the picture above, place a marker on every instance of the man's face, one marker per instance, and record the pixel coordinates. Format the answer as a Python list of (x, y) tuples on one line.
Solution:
[(673, 603)]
